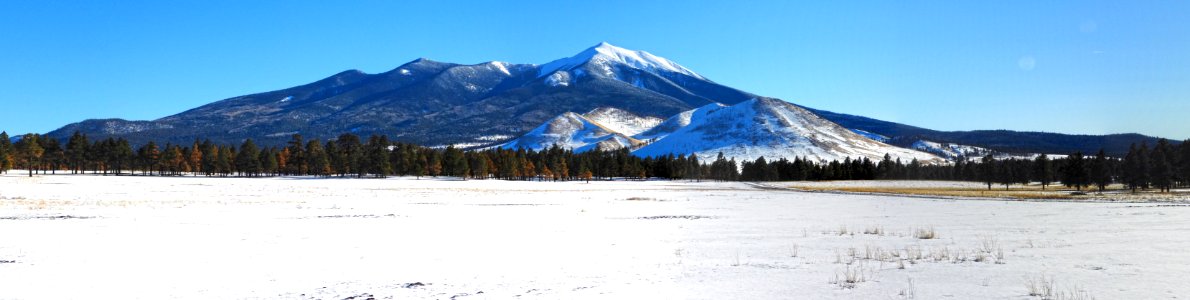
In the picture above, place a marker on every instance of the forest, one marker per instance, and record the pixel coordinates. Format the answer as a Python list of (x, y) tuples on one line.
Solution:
[(1163, 166)]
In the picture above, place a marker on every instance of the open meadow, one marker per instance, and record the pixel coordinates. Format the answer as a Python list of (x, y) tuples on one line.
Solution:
[(88, 236)]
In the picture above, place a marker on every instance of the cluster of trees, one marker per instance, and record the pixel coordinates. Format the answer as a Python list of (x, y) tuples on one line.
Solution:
[(1164, 166), (344, 156)]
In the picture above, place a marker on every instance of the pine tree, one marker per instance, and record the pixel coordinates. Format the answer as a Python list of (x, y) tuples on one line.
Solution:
[(295, 163), (76, 152), (376, 157), (226, 163), (147, 157), (1043, 170), (419, 165), (1074, 173), (268, 162), (29, 151), (1161, 166), (1183, 162), (173, 159), (319, 160), (194, 158), (987, 170), (5, 152), (248, 159), (1100, 171), (54, 156)]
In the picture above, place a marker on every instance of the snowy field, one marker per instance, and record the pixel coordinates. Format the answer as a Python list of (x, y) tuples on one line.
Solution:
[(91, 237)]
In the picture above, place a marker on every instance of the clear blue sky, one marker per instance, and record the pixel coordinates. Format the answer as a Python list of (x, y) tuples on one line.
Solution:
[(1062, 66)]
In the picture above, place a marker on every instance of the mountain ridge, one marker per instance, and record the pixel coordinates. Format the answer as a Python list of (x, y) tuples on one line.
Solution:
[(436, 103)]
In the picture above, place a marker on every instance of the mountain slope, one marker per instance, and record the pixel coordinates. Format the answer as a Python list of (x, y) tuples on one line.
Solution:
[(433, 103), (773, 129), (572, 131), (622, 121), (1000, 140), (436, 103)]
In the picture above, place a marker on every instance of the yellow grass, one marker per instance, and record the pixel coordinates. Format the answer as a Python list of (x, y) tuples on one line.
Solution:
[(1019, 193), (1115, 192)]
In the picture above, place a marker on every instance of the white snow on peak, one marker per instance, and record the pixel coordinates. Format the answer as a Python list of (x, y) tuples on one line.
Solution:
[(286, 99), (622, 121), (605, 55), (773, 129), (404, 72), (559, 78), (572, 131), (502, 66)]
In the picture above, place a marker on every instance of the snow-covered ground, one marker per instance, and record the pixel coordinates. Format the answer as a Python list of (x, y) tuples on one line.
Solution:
[(217, 238)]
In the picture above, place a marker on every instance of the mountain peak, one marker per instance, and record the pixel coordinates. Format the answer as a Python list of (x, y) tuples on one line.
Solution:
[(606, 54)]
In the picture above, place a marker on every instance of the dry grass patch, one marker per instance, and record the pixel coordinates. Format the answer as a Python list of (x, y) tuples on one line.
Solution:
[(1018, 193)]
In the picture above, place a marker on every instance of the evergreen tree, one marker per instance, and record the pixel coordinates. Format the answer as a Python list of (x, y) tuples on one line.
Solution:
[(29, 151), (376, 157), (194, 158), (147, 157), (1161, 166), (1183, 162), (5, 152), (1074, 173), (337, 158), (248, 159), (76, 152), (419, 165), (454, 163), (353, 154), (1043, 170), (987, 170), (268, 161), (1100, 171), (319, 160), (54, 156), (172, 159), (1136, 167), (295, 163)]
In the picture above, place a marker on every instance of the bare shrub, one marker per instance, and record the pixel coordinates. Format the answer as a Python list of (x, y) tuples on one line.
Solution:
[(1041, 286), (927, 233), (908, 292), (874, 230), (849, 277)]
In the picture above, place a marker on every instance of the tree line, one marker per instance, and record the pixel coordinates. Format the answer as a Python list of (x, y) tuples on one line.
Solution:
[(1164, 166), (345, 156)]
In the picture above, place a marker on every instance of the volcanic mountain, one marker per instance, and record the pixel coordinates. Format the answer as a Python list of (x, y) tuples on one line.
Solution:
[(481, 105)]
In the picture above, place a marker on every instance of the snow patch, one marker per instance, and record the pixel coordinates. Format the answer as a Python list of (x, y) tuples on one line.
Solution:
[(622, 121), (877, 137), (773, 129), (559, 78), (605, 55), (572, 131)]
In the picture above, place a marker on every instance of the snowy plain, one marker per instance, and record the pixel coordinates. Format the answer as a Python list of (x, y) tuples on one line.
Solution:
[(127, 237)]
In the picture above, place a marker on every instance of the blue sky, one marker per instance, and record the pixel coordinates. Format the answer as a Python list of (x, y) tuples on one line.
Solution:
[(1090, 67)]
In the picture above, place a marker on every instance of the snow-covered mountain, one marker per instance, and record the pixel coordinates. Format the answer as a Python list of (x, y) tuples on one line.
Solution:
[(608, 59), (773, 129), (437, 103), (622, 121), (572, 131)]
